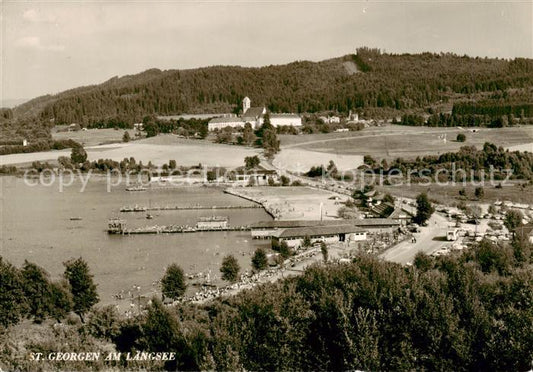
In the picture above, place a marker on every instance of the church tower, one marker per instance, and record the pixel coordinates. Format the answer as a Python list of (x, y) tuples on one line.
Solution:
[(245, 104)]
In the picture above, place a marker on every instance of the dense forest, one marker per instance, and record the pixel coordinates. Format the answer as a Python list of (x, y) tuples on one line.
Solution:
[(466, 311), (394, 83)]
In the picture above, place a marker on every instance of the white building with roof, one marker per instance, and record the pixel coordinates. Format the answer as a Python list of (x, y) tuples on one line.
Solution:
[(219, 123), (255, 116), (280, 120)]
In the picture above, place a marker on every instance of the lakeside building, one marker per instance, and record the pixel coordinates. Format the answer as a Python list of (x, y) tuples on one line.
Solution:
[(256, 176), (294, 237), (255, 116), (269, 229)]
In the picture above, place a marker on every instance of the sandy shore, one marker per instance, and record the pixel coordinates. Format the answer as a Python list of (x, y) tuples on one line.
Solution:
[(293, 203)]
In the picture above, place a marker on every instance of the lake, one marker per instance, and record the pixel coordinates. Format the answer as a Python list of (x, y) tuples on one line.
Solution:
[(35, 225)]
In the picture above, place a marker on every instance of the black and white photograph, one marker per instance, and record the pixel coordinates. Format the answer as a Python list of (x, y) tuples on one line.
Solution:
[(266, 185)]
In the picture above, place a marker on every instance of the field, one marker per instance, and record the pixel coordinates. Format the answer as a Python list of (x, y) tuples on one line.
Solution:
[(300, 160), (158, 150), (449, 194), (92, 137), (393, 141)]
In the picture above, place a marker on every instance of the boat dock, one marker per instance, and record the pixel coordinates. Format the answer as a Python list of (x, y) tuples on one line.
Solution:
[(185, 208), (172, 229)]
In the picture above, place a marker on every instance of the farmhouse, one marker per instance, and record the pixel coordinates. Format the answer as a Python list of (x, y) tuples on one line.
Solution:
[(294, 237), (255, 116)]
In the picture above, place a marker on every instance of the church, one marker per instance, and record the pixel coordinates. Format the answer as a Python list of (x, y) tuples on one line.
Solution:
[(254, 116)]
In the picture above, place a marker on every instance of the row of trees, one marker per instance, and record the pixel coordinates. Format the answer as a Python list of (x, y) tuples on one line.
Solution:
[(28, 292), (466, 120), (468, 159)]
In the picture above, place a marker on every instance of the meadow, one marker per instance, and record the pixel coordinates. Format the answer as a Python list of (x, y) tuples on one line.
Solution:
[(449, 194), (393, 141), (158, 150), (90, 137)]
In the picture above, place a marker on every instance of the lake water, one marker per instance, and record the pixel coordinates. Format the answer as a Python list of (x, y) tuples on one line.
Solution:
[(35, 225)]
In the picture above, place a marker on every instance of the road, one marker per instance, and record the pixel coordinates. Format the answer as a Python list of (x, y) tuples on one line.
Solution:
[(405, 251)]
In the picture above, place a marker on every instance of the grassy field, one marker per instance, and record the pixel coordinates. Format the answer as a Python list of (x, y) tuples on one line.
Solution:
[(301, 160), (158, 150), (393, 141), (92, 137), (449, 194)]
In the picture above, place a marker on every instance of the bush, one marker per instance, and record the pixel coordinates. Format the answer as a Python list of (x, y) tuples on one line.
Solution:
[(461, 137)]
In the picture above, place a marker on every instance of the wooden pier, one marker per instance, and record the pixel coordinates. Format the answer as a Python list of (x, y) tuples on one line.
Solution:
[(185, 208), (172, 229)]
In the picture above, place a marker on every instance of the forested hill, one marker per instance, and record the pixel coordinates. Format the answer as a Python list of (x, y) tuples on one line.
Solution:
[(367, 81)]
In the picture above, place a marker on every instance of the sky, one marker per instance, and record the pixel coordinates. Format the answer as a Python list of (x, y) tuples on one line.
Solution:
[(50, 46)]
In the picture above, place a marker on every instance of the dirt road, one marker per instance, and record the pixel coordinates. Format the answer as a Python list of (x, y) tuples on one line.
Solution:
[(429, 240)]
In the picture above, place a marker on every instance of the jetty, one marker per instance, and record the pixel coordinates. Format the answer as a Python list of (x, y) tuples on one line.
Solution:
[(173, 229), (136, 188), (185, 208), (118, 227)]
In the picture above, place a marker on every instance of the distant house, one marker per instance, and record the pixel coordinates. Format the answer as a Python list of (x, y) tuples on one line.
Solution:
[(401, 215), (74, 127), (330, 119), (24, 142), (353, 116), (334, 120), (259, 176)]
